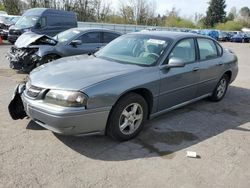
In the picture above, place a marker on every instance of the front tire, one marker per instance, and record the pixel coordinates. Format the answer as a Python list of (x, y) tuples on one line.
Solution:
[(127, 117), (220, 89)]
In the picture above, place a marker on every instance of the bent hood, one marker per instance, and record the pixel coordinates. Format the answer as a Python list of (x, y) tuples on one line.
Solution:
[(30, 38), (78, 72)]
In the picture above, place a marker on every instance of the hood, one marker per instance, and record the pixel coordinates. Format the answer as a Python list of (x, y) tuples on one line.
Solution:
[(30, 38), (78, 72)]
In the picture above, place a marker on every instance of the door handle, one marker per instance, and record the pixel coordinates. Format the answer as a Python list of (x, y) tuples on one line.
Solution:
[(196, 68)]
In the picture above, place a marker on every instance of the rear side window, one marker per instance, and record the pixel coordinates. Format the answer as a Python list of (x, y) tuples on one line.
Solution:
[(93, 37), (108, 37), (207, 49), (184, 50), (220, 51)]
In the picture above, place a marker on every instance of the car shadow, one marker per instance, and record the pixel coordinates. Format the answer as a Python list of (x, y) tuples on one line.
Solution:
[(171, 132)]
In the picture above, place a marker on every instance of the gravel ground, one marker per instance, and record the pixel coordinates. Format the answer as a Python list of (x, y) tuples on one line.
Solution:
[(31, 156)]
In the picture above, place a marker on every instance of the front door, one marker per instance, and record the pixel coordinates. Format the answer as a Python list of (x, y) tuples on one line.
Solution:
[(179, 85)]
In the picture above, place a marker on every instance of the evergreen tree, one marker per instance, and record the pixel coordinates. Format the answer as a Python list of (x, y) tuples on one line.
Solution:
[(215, 13)]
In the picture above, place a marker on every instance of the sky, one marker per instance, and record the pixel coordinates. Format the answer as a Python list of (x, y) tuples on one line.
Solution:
[(187, 8)]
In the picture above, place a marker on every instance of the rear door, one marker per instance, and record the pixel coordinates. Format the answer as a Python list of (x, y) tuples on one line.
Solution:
[(179, 85), (211, 65)]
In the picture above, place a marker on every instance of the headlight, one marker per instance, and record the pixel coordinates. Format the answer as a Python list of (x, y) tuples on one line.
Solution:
[(66, 98)]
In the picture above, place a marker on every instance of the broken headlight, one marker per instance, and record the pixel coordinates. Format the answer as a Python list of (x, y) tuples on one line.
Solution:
[(66, 98)]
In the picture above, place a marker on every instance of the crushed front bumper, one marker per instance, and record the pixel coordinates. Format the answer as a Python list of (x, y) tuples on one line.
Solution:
[(66, 120)]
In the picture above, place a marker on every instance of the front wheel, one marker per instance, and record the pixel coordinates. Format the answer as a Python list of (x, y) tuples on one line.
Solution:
[(221, 89), (127, 117)]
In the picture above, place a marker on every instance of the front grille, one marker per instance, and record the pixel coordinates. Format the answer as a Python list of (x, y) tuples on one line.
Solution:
[(33, 91)]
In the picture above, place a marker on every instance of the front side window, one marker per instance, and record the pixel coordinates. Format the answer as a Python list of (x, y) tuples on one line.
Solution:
[(136, 49), (207, 49), (93, 37), (184, 50), (67, 35), (42, 22)]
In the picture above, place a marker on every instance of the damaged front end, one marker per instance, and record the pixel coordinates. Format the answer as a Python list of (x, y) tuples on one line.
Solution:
[(16, 108), (24, 59), (23, 56)]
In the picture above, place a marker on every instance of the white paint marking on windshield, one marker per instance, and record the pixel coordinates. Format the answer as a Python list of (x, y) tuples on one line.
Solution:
[(156, 41)]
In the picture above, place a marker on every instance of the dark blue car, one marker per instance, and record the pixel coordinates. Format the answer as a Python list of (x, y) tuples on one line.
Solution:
[(241, 37), (42, 21)]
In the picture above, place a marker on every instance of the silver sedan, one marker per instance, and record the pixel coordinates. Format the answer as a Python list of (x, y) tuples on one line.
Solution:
[(134, 78)]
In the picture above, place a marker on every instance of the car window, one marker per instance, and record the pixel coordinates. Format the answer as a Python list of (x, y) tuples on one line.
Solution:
[(207, 49), (108, 37), (42, 22), (219, 49), (136, 49), (93, 37), (184, 50)]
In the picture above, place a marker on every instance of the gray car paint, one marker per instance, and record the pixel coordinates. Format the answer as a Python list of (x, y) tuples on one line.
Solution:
[(64, 49), (104, 82)]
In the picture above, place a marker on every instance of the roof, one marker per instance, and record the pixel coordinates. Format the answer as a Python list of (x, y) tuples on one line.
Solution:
[(40, 11), (94, 29), (167, 34)]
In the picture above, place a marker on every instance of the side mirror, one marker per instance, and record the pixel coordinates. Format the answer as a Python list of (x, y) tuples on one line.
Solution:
[(76, 43), (174, 62)]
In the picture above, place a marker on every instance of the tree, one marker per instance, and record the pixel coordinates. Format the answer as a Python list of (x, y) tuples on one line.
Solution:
[(245, 12), (215, 13)]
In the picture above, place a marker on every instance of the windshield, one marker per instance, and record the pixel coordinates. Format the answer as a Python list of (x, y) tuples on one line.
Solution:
[(66, 35), (134, 49), (27, 21)]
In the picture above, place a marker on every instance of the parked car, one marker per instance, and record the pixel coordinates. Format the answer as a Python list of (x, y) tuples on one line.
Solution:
[(241, 37), (5, 22), (212, 33), (224, 36), (31, 50), (42, 21), (135, 77)]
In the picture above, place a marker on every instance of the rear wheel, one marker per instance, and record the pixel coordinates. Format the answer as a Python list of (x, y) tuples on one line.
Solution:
[(221, 89), (127, 117)]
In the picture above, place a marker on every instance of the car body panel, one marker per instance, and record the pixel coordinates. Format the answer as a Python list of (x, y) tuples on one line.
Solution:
[(105, 81)]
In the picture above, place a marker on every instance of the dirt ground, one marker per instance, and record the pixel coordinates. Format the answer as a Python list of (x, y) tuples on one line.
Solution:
[(31, 156)]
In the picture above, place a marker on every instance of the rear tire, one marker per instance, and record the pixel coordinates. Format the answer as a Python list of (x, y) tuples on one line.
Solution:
[(220, 89), (127, 117)]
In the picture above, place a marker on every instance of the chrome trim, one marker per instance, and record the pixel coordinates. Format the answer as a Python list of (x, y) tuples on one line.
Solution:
[(179, 105)]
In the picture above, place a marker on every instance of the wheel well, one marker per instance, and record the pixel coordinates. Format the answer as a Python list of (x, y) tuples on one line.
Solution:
[(146, 94), (229, 74)]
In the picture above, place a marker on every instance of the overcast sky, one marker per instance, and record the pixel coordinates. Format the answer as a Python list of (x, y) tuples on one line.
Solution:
[(187, 8)]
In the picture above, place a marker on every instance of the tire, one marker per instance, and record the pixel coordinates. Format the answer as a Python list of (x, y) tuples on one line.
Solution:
[(220, 89), (124, 123)]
